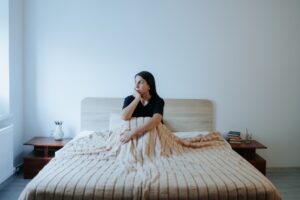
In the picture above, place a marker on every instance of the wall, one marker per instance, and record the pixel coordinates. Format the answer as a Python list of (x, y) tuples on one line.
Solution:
[(16, 76), (4, 60), (11, 72), (242, 55)]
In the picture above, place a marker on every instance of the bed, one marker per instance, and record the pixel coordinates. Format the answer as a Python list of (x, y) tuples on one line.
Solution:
[(159, 165)]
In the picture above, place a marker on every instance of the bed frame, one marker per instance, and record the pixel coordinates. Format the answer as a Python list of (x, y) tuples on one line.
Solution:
[(179, 114), (125, 171)]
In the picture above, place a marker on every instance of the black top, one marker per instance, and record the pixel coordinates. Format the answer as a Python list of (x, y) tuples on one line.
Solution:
[(155, 105)]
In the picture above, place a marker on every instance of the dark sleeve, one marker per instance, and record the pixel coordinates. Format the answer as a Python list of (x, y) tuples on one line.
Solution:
[(127, 101), (159, 106)]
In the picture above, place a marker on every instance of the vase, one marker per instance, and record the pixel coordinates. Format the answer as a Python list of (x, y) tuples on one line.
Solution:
[(58, 133)]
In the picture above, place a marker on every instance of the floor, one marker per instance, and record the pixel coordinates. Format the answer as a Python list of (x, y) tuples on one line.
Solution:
[(12, 187), (287, 181)]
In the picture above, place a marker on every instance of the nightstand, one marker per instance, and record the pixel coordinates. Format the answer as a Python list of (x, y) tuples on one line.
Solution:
[(43, 152), (248, 151)]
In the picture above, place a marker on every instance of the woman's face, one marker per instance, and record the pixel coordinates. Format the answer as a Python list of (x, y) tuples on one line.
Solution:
[(141, 85)]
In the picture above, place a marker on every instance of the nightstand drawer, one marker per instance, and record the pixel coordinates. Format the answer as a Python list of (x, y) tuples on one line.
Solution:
[(44, 149), (259, 163), (248, 151), (32, 165)]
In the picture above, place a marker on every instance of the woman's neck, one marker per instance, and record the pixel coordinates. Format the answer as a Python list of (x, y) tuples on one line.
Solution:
[(146, 96)]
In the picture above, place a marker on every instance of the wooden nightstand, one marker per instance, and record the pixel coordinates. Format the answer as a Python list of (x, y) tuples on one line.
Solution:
[(248, 151), (44, 149)]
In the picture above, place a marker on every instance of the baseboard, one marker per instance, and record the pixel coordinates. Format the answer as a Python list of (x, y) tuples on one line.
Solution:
[(279, 169)]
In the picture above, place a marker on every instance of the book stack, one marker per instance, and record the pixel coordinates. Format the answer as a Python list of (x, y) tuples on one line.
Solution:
[(234, 137)]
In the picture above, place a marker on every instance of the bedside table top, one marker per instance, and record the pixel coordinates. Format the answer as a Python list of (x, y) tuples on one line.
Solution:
[(252, 145), (47, 141)]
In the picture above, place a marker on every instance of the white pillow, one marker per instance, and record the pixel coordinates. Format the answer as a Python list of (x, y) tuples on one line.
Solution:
[(190, 134), (114, 121)]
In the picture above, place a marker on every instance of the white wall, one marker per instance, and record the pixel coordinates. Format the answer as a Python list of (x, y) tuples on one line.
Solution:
[(16, 75), (4, 61), (242, 55)]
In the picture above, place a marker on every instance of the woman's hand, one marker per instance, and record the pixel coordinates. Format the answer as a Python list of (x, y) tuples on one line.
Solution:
[(125, 136), (136, 93)]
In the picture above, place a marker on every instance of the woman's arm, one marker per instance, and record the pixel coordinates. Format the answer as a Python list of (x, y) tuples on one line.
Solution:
[(140, 130), (128, 111)]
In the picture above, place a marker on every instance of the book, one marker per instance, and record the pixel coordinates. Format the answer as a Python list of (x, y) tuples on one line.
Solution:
[(234, 133), (234, 137), (235, 142)]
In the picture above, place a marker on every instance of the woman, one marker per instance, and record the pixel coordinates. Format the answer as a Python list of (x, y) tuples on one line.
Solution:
[(144, 102)]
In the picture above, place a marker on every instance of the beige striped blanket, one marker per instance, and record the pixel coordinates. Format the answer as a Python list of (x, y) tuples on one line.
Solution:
[(158, 165)]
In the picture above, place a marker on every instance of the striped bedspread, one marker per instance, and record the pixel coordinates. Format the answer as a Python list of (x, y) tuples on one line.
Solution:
[(158, 165)]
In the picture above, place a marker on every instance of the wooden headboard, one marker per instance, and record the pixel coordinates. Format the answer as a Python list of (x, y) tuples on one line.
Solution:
[(179, 114)]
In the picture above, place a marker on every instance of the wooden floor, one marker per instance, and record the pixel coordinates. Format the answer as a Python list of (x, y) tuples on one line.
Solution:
[(287, 181)]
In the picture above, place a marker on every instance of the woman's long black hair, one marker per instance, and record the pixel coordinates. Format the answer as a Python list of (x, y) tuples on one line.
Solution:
[(147, 76)]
